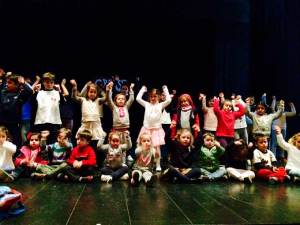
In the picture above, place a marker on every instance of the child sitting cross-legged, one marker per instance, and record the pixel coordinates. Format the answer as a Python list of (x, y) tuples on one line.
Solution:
[(114, 165), (82, 161)]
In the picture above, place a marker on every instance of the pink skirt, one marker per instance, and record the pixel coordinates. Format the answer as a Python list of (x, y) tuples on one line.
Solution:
[(157, 135)]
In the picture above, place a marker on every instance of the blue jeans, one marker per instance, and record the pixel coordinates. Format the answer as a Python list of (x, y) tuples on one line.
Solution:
[(278, 152)]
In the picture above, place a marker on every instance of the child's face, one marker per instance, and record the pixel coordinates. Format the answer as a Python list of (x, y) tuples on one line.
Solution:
[(227, 106), (92, 93), (48, 84), (3, 137), (120, 100), (62, 139), (262, 144), (260, 110), (185, 138), (146, 142), (154, 98), (298, 143), (114, 141), (34, 142), (209, 142), (81, 142), (11, 86), (184, 102), (162, 97), (211, 103)]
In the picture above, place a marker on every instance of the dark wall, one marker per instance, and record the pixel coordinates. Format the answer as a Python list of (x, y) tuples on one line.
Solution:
[(240, 46)]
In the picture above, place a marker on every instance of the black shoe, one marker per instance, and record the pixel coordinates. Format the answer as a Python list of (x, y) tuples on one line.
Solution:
[(273, 180), (248, 180), (151, 181), (135, 179)]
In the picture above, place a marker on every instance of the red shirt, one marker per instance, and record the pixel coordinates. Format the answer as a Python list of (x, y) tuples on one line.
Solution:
[(84, 154)]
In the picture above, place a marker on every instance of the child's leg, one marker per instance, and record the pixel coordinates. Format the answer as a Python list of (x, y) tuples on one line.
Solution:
[(235, 173), (158, 167), (119, 172), (218, 173)]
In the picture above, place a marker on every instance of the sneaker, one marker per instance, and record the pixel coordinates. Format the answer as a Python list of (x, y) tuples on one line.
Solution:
[(87, 179), (204, 178), (248, 180), (38, 176), (151, 181), (6, 177), (125, 177), (106, 178), (273, 180), (158, 168), (135, 179)]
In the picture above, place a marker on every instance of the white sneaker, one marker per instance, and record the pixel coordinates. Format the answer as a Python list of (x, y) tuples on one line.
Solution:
[(158, 168), (125, 177), (106, 178), (129, 158)]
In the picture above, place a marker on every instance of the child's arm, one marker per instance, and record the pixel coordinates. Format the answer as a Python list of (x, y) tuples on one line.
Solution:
[(84, 89), (280, 140), (293, 110), (110, 101), (140, 95), (279, 111), (131, 96), (10, 147), (222, 98), (217, 106), (168, 97), (128, 144), (202, 98), (273, 104), (65, 91), (75, 94), (240, 112), (91, 161)]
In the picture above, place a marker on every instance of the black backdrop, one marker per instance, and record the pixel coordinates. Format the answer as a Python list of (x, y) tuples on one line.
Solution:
[(240, 46)]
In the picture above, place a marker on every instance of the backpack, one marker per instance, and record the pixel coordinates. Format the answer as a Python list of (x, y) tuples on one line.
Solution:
[(10, 203)]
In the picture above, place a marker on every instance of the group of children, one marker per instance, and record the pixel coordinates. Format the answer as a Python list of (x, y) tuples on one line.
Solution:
[(232, 144)]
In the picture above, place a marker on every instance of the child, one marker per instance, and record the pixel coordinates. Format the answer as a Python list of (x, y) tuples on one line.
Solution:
[(58, 154), (238, 163), (264, 162), (209, 160), (186, 116), (90, 110), (210, 118), (7, 150), (82, 160), (152, 118), (14, 92), (281, 122), (143, 167), (48, 113), (240, 124), (293, 148), (183, 156), (119, 109), (115, 167), (226, 118), (30, 157)]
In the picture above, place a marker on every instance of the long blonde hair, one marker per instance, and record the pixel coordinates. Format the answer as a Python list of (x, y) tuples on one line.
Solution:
[(293, 139)]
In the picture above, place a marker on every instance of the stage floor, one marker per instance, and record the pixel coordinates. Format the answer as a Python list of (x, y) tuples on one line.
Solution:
[(55, 203)]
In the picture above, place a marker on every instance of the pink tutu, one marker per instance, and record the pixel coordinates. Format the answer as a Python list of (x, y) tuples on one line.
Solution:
[(157, 135)]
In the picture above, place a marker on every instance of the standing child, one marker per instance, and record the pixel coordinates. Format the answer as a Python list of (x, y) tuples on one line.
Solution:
[(82, 161), (90, 110), (183, 158), (293, 149), (210, 118), (7, 150), (186, 116), (48, 114), (152, 118), (226, 118), (144, 164), (114, 164), (264, 162), (210, 153)]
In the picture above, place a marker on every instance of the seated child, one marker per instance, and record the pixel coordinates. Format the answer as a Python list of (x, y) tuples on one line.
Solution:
[(114, 164), (237, 161), (82, 161), (264, 162), (210, 153), (293, 148), (58, 153), (7, 149), (144, 164), (183, 156)]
